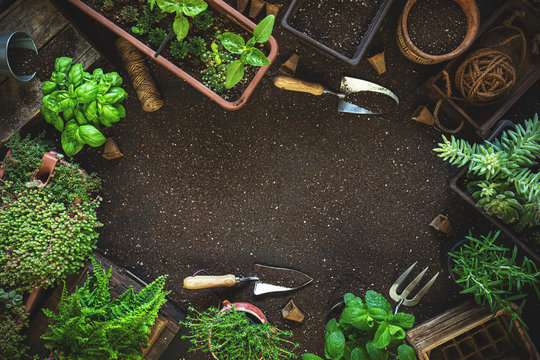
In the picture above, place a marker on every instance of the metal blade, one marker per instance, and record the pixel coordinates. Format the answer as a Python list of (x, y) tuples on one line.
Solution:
[(283, 279), (352, 85), (347, 107), (264, 288)]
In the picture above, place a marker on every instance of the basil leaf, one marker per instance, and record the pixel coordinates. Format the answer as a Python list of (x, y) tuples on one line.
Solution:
[(78, 136), (311, 357), (58, 77), (69, 143), (180, 26), (91, 135), (57, 122), (255, 57), (109, 113), (232, 42), (47, 114), (86, 93), (194, 7), (68, 114), (406, 352), (121, 110), (48, 87), (97, 74), (263, 31), (75, 75), (90, 111), (62, 64), (112, 78), (103, 87), (79, 116), (335, 345), (235, 73), (116, 94), (169, 6)]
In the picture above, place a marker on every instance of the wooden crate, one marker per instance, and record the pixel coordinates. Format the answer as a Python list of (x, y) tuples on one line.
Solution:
[(469, 332)]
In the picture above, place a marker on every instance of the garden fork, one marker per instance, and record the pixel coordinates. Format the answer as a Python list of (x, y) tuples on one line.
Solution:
[(402, 298)]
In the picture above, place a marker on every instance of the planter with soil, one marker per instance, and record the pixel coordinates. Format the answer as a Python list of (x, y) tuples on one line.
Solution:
[(430, 32), (457, 184), (177, 58), (344, 33)]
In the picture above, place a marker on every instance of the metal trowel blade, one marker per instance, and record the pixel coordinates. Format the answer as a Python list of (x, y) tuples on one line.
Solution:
[(347, 107), (286, 282)]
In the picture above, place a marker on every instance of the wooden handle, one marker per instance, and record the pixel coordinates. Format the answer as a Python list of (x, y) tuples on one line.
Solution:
[(292, 84), (203, 281)]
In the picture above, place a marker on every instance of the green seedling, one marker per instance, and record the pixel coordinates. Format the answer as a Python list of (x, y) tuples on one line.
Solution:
[(182, 9)]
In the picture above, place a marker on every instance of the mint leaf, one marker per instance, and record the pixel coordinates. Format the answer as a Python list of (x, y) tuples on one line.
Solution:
[(358, 354), (376, 300), (406, 321), (335, 345), (376, 354), (382, 336), (406, 352), (311, 357)]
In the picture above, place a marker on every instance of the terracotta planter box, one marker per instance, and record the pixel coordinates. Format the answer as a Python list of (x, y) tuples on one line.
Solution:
[(216, 5)]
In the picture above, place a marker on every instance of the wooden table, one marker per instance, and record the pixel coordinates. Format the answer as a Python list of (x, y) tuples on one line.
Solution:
[(54, 37)]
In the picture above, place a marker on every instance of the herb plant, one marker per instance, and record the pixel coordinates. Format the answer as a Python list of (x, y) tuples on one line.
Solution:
[(507, 168), (249, 54), (367, 330), (179, 49), (204, 20), (196, 45), (150, 17), (90, 325), (181, 9), (13, 320), (233, 337), (490, 273), (129, 13), (77, 103), (156, 36)]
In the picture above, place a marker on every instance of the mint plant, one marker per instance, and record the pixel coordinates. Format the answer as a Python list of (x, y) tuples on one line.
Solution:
[(182, 9), (367, 330), (77, 103), (249, 54), (492, 275), (231, 336), (90, 325)]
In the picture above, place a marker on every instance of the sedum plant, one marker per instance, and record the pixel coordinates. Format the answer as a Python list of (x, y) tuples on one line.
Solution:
[(230, 335), (13, 320), (249, 54), (182, 9), (78, 103), (367, 330), (492, 275), (90, 325), (509, 185)]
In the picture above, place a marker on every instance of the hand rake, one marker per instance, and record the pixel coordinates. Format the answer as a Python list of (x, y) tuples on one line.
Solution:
[(402, 298)]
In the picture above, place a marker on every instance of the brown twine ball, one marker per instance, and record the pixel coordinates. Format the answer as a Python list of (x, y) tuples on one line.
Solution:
[(485, 77), (135, 64)]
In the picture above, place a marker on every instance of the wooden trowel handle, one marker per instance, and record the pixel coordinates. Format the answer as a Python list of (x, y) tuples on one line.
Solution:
[(203, 281), (292, 84)]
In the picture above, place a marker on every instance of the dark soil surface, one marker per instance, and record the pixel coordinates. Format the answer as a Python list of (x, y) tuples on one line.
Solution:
[(436, 27), (375, 102), (191, 64), (22, 61), (285, 181), (339, 25)]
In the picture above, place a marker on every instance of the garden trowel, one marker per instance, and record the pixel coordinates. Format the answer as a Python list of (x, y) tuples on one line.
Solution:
[(269, 279), (349, 86)]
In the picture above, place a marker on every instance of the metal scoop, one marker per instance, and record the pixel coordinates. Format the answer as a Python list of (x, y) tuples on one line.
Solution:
[(283, 280), (349, 85)]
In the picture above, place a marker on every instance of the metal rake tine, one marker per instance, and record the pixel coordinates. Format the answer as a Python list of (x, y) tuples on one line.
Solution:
[(413, 284), (395, 285), (421, 293)]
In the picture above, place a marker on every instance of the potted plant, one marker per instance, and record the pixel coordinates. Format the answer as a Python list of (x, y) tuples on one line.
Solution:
[(13, 319), (344, 33), (502, 179), (238, 331), (367, 330), (490, 273), (90, 324), (78, 104), (195, 52)]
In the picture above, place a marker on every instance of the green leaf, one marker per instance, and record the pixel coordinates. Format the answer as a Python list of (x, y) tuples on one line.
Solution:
[(112, 79), (76, 74), (194, 7), (48, 87), (79, 116), (331, 326), (169, 6), (70, 145), (406, 352), (180, 26), (406, 321), (348, 297), (235, 73), (335, 345), (311, 357), (91, 135), (358, 354), (121, 110), (110, 114), (90, 111), (396, 332), (232, 42), (255, 57), (115, 95), (58, 77), (86, 93), (382, 336), (378, 314), (375, 353), (62, 64), (263, 31), (374, 299), (57, 122)]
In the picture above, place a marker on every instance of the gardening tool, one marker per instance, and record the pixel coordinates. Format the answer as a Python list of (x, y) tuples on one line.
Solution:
[(285, 276), (349, 86), (402, 298)]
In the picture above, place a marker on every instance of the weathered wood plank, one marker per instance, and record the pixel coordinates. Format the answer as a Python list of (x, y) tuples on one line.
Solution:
[(156, 331)]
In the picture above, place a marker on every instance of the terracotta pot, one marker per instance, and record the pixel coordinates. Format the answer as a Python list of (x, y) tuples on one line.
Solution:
[(48, 162), (216, 5), (33, 300), (2, 169), (240, 306), (413, 53)]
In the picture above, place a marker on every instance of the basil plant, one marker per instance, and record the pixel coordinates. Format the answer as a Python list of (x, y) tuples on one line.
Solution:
[(77, 103), (181, 8), (249, 54)]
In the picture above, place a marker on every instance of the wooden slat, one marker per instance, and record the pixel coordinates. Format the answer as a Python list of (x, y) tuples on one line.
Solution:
[(156, 331)]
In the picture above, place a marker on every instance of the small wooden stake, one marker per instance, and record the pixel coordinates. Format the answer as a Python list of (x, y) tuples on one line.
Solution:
[(423, 115), (378, 62), (289, 66), (442, 224), (256, 7), (291, 312), (111, 150), (272, 9), (241, 5)]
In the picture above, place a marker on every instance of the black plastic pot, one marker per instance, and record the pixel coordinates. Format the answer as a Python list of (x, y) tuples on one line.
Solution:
[(362, 47), (503, 125), (450, 260), (17, 39)]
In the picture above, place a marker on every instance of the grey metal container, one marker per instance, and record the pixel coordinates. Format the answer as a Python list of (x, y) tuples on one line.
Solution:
[(17, 39)]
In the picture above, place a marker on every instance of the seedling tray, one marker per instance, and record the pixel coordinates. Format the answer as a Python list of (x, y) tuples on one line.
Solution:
[(483, 118), (362, 47), (455, 185)]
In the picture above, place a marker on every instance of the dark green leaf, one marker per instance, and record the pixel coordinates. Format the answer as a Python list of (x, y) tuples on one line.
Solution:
[(335, 345), (311, 357), (235, 73), (406, 352), (331, 326), (62, 64), (57, 122), (233, 43), (91, 135), (374, 299), (375, 353), (358, 354), (255, 57), (75, 75)]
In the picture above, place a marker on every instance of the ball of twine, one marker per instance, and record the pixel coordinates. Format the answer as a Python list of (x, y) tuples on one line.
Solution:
[(485, 77)]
